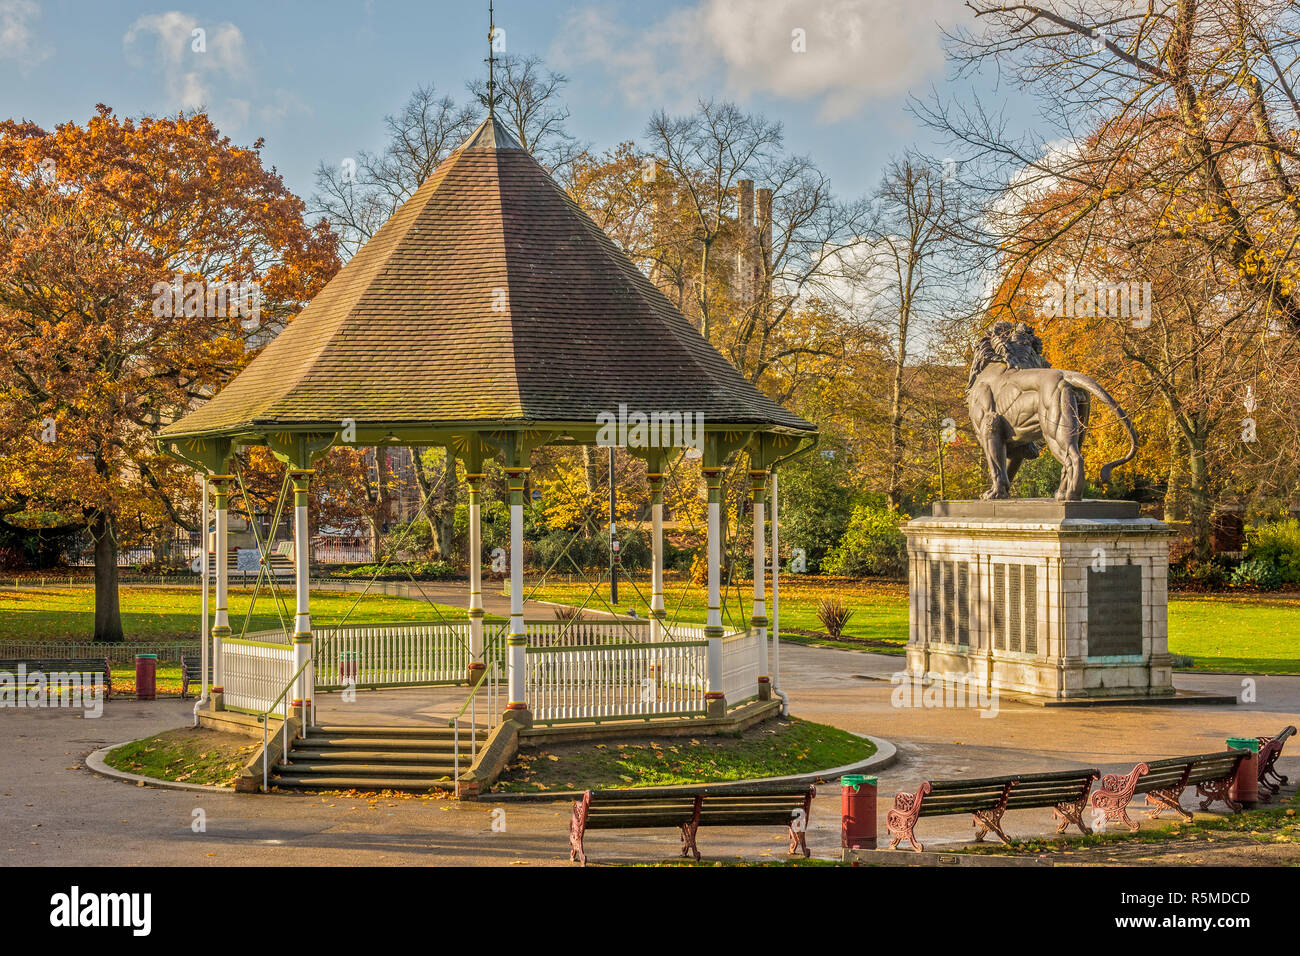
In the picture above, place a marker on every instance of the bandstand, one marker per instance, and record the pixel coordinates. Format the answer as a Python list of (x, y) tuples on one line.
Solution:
[(490, 315)]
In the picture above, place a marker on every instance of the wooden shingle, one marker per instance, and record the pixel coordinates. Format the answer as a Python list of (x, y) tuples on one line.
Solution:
[(489, 296)]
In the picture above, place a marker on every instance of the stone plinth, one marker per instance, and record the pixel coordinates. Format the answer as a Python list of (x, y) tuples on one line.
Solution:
[(1035, 596)]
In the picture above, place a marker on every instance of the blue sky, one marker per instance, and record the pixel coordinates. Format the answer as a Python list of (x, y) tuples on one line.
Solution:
[(315, 79)]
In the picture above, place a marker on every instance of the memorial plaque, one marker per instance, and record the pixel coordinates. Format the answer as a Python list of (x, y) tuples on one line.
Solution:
[(1014, 626), (999, 606), (1031, 609), (1115, 610), (949, 605), (963, 603), (934, 622)]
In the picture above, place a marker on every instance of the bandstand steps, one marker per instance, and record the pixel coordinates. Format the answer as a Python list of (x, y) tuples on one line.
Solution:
[(323, 782), (360, 755), (364, 730), (308, 768), (414, 744), (343, 757)]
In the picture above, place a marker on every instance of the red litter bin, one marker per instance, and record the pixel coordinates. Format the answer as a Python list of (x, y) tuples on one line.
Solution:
[(146, 676), (1245, 785), (857, 812)]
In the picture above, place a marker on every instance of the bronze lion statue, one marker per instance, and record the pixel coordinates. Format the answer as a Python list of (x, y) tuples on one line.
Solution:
[(1018, 403)]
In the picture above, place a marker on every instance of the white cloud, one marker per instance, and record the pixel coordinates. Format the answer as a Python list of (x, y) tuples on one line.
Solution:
[(854, 50), (188, 55), (204, 66), (17, 33)]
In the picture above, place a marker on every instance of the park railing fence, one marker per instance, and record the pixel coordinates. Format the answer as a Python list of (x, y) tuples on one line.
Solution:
[(391, 655), (116, 653), (254, 673), (616, 681)]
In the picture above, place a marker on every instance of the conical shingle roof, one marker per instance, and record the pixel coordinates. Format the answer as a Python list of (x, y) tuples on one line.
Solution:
[(488, 299)]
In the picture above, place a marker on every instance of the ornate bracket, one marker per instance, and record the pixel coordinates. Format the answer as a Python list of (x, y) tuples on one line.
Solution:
[(299, 449), (211, 456)]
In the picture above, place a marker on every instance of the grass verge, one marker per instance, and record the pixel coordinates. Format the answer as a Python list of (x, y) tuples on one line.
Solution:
[(772, 749), (186, 755)]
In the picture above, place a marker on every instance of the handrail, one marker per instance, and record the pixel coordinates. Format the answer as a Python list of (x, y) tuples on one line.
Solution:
[(489, 675), (284, 720)]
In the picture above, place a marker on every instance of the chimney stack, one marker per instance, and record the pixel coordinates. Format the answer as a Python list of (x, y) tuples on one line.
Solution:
[(764, 225)]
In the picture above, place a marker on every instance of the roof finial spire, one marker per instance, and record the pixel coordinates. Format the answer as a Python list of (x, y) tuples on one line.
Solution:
[(492, 62)]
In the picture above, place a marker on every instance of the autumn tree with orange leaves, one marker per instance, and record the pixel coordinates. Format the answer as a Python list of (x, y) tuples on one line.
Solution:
[(98, 221)]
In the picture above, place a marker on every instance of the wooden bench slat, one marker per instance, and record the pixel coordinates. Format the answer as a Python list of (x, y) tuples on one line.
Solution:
[(689, 809)]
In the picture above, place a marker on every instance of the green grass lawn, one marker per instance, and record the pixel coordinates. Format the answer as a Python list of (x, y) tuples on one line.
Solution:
[(164, 614), (189, 755), (879, 621), (1235, 633), (1247, 633), (772, 749), (1250, 634)]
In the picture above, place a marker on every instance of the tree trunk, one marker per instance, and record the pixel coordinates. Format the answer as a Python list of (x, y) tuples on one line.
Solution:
[(444, 529), (108, 614), (1176, 490), (896, 416), (591, 467), (1198, 495), (422, 483)]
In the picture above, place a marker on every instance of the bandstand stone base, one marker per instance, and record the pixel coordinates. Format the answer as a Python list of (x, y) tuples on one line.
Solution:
[(1059, 600)]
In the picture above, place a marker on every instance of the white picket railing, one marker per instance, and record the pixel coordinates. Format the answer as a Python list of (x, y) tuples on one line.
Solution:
[(585, 633), (255, 673), (742, 664), (684, 632), (615, 681), (392, 655)]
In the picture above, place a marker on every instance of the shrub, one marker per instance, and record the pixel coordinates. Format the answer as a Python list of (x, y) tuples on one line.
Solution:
[(408, 539), (401, 571), (567, 612), (872, 545), (1277, 543), (1190, 573), (1258, 574), (834, 615), (815, 499)]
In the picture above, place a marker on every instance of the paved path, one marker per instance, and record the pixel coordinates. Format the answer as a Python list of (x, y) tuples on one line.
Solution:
[(54, 811)]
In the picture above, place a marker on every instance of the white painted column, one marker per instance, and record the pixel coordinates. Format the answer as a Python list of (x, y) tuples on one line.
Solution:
[(302, 641), (758, 619), (476, 664), (517, 642), (205, 627), (776, 598), (657, 611), (221, 613), (715, 701)]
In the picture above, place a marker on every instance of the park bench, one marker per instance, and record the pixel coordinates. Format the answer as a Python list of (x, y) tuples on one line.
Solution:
[(688, 809), (988, 798), (1162, 782), (1270, 748), (192, 673), (83, 667)]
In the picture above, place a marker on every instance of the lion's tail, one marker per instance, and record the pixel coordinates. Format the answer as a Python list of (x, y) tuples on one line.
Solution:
[(1079, 380)]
